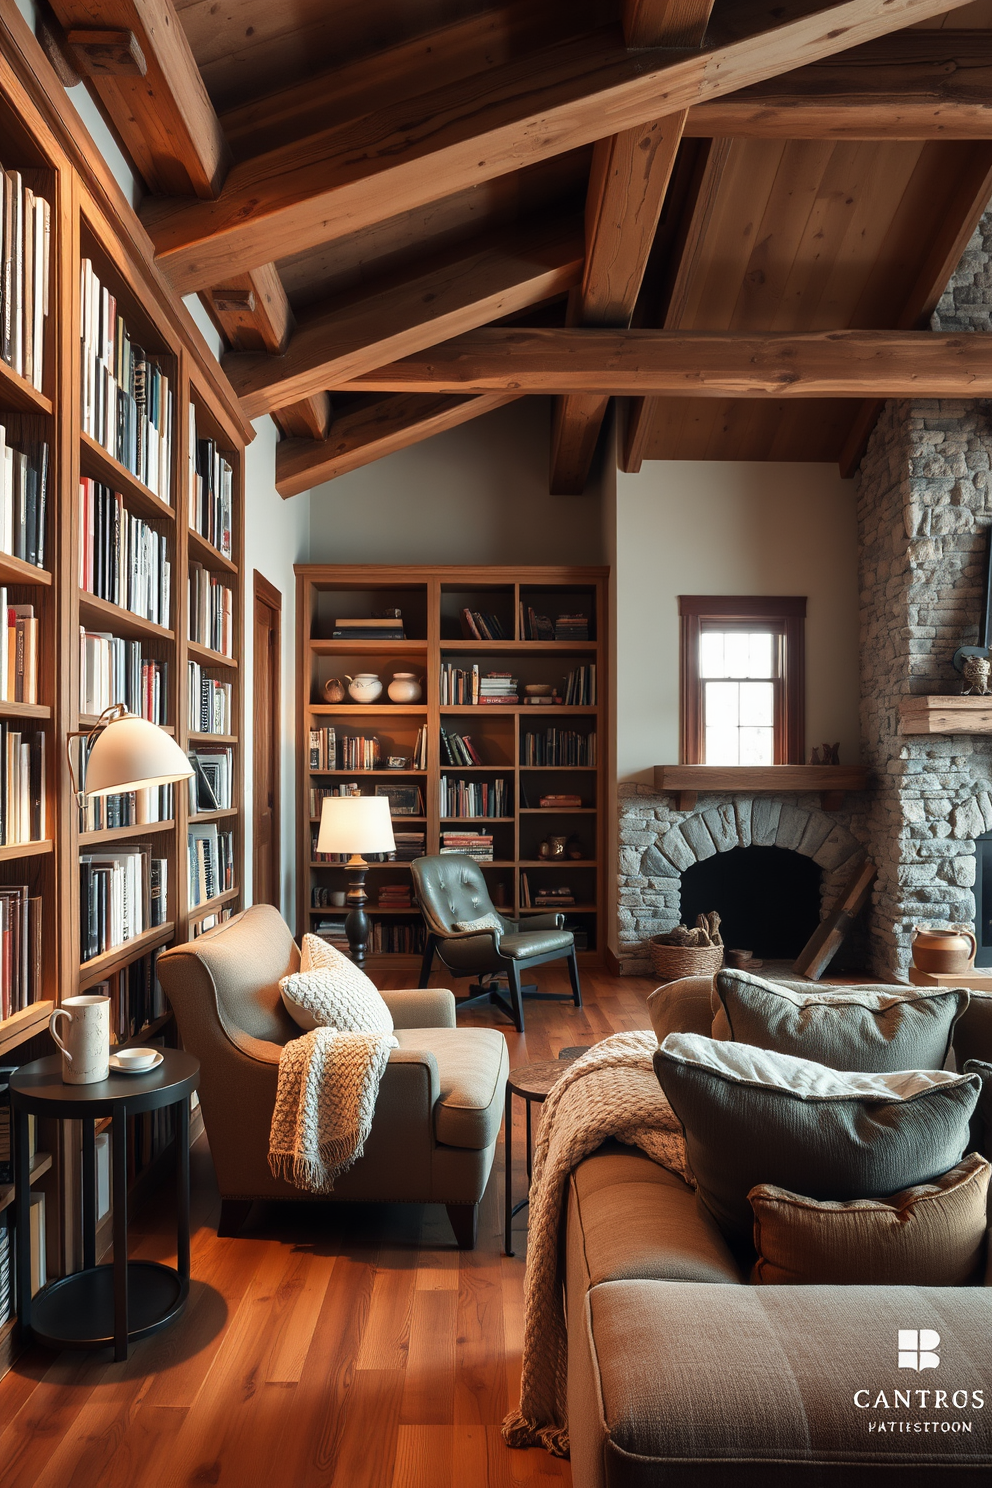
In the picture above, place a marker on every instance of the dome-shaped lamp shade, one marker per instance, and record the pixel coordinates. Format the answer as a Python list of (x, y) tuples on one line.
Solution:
[(356, 824), (131, 754)]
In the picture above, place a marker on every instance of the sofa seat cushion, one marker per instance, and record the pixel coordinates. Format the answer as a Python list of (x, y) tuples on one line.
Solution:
[(746, 1387), (536, 943), (472, 1065), (664, 1236)]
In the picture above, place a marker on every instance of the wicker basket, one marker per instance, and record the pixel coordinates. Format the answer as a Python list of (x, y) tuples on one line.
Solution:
[(671, 962)]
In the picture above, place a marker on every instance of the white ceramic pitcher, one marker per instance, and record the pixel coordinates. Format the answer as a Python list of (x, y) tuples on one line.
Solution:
[(86, 1051)]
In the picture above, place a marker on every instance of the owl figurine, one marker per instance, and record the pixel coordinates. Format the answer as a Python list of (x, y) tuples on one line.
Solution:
[(976, 670)]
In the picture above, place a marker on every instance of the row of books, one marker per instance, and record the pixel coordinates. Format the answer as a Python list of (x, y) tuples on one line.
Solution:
[(471, 686), (113, 670), (535, 627), (22, 785), (542, 897), (25, 275), (18, 652), (20, 948), (124, 891), (136, 998), (396, 938), (122, 558), (211, 488), (559, 747), (330, 750), (24, 467), (474, 797), (385, 627), (580, 687), (210, 703), (458, 749), (477, 845), (211, 862), (127, 401), (480, 625), (211, 610), (211, 786)]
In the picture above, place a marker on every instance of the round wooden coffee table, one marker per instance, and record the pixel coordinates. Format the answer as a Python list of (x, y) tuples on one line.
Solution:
[(533, 1084)]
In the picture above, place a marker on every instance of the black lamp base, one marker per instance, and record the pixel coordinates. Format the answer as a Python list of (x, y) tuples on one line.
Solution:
[(357, 926)]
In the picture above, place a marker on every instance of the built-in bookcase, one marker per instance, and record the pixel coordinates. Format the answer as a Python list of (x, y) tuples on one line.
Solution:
[(88, 221), (438, 637)]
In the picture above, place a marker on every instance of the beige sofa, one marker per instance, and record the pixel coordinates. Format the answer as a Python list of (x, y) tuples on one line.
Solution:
[(682, 1374), (440, 1102)]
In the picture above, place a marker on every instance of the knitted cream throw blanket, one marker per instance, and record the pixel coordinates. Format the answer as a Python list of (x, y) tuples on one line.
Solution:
[(325, 1101), (610, 1092)]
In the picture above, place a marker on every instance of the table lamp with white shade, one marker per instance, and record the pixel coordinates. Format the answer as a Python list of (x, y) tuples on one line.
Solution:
[(356, 825)]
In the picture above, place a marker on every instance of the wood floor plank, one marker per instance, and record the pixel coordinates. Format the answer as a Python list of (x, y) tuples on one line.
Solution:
[(429, 1388), (386, 1337), (424, 1456)]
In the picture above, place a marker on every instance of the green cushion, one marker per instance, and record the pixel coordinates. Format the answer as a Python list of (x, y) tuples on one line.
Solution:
[(536, 943)]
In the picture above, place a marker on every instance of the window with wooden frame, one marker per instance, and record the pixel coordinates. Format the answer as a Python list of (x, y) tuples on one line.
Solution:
[(743, 690)]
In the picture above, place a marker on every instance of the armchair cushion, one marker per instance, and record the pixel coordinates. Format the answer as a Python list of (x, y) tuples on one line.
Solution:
[(527, 943), (472, 1066)]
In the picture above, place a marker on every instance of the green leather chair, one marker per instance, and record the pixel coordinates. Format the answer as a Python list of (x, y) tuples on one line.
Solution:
[(452, 889)]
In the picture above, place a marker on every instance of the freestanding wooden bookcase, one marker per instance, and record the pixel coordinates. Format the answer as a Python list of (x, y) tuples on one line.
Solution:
[(432, 600), (41, 135)]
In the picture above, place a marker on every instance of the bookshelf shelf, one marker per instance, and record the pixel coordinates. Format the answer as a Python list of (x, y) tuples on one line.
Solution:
[(210, 906), (204, 552), (209, 816), (96, 462), (24, 1025), (101, 966), (100, 614), (16, 571), (541, 909), (25, 710), (40, 1163), (210, 658), (14, 850), (122, 834), (432, 601), (199, 738), (20, 395)]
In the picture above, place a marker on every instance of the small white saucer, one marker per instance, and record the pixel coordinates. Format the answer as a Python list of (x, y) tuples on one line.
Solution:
[(126, 1069)]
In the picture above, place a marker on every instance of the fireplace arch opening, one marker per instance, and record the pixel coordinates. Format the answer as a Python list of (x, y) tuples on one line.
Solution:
[(768, 898)]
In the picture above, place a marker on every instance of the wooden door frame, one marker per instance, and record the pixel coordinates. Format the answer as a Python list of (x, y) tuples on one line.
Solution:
[(263, 589)]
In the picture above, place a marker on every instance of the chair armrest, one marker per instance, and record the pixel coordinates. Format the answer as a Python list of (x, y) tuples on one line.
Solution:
[(403, 1076), (424, 1007), (552, 921)]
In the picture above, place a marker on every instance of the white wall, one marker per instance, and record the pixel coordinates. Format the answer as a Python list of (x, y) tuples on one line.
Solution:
[(476, 494), (721, 527)]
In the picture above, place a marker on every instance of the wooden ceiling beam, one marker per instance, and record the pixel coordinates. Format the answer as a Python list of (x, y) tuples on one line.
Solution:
[(159, 106), (309, 418), (425, 148), (627, 188), (253, 311), (707, 364), (355, 334), (378, 428)]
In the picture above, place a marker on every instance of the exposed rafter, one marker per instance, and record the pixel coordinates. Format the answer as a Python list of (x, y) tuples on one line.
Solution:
[(335, 343), (309, 418), (161, 111), (379, 427), (422, 149)]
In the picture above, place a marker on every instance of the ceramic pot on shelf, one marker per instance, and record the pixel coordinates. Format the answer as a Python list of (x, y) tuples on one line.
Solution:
[(364, 687), (948, 952), (405, 688), (334, 690)]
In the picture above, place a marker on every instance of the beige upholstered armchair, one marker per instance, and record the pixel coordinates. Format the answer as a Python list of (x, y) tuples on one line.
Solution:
[(437, 1118)]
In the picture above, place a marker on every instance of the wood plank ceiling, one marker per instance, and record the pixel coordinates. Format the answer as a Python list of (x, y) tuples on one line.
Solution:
[(350, 185)]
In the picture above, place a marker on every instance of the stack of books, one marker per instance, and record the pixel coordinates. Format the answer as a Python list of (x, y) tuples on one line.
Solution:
[(127, 399), (116, 893), (409, 845), (112, 670), (22, 785), (477, 845), (18, 653), (553, 898), (211, 479), (211, 862), (458, 749), (472, 798), (26, 270), (122, 558), (24, 469), (369, 628), (572, 628), (211, 610), (332, 930), (498, 687), (209, 703), (20, 949), (580, 687), (560, 802), (479, 625), (395, 896), (559, 747)]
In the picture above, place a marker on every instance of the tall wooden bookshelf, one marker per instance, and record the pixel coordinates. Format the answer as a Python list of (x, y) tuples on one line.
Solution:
[(432, 601), (41, 135)]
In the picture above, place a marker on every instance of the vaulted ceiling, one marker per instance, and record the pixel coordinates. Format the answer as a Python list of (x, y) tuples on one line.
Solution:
[(402, 213)]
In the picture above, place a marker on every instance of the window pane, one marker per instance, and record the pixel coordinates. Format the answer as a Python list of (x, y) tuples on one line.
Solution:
[(711, 654), (760, 648), (757, 704), (737, 651), (722, 746), (757, 746), (722, 702)]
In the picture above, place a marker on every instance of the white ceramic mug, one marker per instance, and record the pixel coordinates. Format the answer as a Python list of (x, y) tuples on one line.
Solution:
[(86, 1051)]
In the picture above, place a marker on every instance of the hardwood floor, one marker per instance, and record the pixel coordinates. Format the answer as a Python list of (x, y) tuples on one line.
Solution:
[(348, 1345)]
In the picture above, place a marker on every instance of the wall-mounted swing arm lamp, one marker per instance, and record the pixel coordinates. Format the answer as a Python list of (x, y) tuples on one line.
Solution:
[(128, 753)]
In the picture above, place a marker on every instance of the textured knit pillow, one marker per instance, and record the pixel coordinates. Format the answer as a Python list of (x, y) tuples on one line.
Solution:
[(488, 921), (872, 1029), (930, 1235), (329, 991), (752, 1116)]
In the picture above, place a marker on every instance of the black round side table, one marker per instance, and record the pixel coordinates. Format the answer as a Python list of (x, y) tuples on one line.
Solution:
[(119, 1303), (533, 1084)]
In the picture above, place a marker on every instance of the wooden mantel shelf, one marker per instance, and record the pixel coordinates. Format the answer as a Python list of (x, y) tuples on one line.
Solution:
[(945, 715), (686, 782)]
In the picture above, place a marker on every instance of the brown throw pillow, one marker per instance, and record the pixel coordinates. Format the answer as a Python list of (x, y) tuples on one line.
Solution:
[(930, 1235), (871, 1029)]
